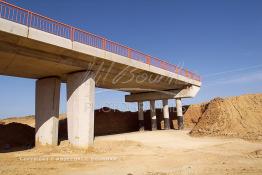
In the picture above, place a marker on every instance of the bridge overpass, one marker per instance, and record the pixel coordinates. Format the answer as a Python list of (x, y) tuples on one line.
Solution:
[(37, 47)]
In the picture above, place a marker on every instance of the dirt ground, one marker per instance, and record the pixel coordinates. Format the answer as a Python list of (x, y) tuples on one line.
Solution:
[(151, 153), (227, 140)]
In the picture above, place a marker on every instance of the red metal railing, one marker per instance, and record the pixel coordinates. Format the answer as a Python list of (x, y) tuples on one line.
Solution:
[(34, 20)]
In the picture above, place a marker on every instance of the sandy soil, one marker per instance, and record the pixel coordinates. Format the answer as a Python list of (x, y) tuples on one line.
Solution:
[(151, 153), (239, 117), (171, 152)]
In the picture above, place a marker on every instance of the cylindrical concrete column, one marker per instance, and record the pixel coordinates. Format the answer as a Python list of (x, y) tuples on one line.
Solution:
[(47, 111), (180, 119), (141, 116), (80, 108), (153, 115), (166, 114)]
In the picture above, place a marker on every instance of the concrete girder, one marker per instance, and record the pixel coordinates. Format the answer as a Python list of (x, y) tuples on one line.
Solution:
[(188, 92)]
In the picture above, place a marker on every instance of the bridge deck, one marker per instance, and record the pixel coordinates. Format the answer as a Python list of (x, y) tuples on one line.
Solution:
[(34, 46)]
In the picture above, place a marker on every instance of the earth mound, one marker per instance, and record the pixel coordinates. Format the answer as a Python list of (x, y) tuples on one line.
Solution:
[(14, 135), (239, 117), (192, 114)]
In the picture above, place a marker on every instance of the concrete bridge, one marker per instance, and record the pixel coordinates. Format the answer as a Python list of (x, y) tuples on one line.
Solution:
[(34, 46)]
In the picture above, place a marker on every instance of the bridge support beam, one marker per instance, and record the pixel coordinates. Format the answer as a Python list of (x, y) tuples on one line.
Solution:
[(186, 92), (141, 116), (47, 111), (166, 114), (153, 115), (180, 118), (80, 108)]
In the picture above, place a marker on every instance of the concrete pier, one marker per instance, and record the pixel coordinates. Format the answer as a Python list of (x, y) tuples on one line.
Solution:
[(166, 114), (80, 108), (180, 119), (141, 116), (153, 115), (47, 111)]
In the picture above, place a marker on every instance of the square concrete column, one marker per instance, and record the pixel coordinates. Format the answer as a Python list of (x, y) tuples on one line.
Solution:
[(47, 111), (80, 108), (153, 115), (180, 119), (141, 116), (166, 114)]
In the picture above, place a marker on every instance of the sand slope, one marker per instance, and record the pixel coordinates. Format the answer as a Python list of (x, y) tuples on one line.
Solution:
[(234, 117), (192, 114)]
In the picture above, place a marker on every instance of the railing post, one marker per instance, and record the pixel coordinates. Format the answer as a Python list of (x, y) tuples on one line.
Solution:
[(30, 17), (176, 70), (104, 44), (148, 60), (129, 53), (27, 19), (1, 10), (161, 64), (72, 34), (165, 66)]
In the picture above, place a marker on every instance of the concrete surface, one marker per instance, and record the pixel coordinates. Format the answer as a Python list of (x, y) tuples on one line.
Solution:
[(180, 117), (141, 115), (186, 92), (153, 115), (47, 111), (80, 108), (166, 114)]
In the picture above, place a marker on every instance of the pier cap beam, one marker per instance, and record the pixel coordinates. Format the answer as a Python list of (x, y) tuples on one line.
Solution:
[(188, 92)]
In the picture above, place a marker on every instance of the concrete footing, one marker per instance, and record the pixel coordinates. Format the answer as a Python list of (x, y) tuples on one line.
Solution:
[(166, 114), (180, 118), (80, 108), (47, 111), (153, 115), (141, 116)]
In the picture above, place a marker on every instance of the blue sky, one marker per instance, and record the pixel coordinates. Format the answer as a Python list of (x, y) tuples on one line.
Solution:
[(219, 39)]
